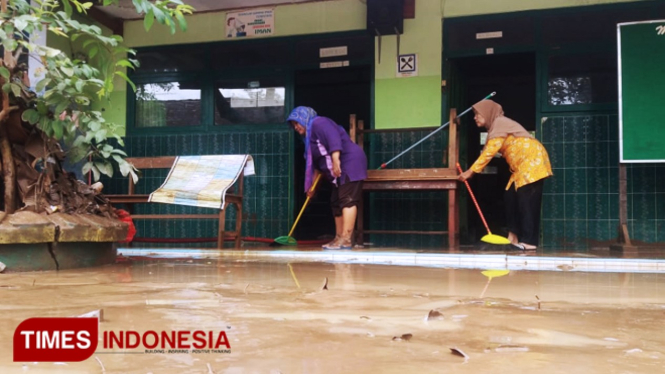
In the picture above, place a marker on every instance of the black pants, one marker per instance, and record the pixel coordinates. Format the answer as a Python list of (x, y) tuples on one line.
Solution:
[(345, 196), (523, 211)]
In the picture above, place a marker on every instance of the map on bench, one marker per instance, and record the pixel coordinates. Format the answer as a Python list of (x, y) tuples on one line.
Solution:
[(202, 181)]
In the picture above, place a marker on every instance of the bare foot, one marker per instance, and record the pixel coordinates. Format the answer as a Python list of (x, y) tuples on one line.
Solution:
[(528, 247), (512, 238)]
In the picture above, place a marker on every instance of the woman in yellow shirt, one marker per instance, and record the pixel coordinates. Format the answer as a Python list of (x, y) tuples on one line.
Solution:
[(529, 165)]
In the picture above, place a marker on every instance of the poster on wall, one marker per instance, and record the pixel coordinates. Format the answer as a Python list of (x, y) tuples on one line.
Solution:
[(250, 23)]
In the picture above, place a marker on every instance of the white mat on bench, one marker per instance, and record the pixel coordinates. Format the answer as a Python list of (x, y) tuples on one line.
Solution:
[(202, 181)]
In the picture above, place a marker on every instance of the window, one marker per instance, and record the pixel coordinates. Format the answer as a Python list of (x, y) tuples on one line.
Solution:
[(582, 79), (171, 60), (249, 102), (168, 104)]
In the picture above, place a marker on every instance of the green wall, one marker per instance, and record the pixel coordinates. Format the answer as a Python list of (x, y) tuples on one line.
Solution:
[(412, 101), (474, 7), (398, 102)]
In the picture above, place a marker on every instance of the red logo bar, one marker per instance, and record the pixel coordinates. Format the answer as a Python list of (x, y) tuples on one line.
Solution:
[(55, 339)]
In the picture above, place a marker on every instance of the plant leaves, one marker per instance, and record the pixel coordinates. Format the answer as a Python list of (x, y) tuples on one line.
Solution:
[(16, 89), (148, 20), (42, 84)]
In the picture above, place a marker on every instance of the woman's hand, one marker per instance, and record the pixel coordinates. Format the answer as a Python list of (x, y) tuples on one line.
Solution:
[(337, 165), (312, 190), (465, 176)]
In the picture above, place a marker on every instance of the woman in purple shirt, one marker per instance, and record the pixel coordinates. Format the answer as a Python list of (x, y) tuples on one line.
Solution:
[(330, 151)]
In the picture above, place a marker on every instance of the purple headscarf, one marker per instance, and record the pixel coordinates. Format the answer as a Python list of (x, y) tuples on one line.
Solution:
[(305, 116)]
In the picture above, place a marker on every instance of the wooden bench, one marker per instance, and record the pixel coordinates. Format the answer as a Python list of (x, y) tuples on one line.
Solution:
[(409, 180), (166, 162)]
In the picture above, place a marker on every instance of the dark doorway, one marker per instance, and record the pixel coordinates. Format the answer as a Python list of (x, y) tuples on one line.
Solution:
[(513, 77), (335, 93)]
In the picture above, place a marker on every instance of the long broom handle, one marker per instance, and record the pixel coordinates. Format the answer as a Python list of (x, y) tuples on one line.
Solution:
[(459, 168), (383, 166), (316, 181)]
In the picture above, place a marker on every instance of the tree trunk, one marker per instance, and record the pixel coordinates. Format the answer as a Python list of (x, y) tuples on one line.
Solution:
[(8, 168)]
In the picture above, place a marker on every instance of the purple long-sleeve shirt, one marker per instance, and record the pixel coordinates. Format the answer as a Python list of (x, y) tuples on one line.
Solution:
[(328, 137)]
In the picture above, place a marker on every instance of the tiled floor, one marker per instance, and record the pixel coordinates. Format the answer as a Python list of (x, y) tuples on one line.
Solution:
[(653, 260)]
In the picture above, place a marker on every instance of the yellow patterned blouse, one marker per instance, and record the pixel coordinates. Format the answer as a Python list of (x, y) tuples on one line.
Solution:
[(527, 158)]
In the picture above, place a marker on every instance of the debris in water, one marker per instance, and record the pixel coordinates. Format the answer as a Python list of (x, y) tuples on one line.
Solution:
[(210, 369), (405, 337), (370, 335), (538, 298), (100, 364), (565, 267), (325, 284), (99, 314), (511, 348), (434, 315), (2, 267), (365, 317), (246, 287), (459, 352), (634, 350)]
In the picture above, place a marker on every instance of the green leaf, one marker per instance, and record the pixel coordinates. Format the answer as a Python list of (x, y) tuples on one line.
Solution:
[(105, 168), (86, 167), (95, 173), (78, 141), (125, 77), (4, 72), (67, 70), (94, 125), (16, 89), (125, 63), (181, 20), (10, 44), (57, 129), (86, 5), (148, 20), (124, 166), (6, 88), (93, 52), (119, 152), (79, 85), (42, 84), (88, 42), (62, 106), (159, 14), (68, 7), (31, 116), (20, 23), (135, 178), (100, 135), (77, 154)]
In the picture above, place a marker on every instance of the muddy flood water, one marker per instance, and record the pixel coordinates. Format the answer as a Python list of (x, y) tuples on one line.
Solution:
[(278, 318)]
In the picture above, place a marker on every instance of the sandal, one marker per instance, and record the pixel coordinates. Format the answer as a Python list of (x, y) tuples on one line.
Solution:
[(334, 244)]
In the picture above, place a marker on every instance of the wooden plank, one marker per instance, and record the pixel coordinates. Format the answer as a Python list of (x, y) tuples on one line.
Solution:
[(410, 129), (352, 127), (412, 174), (175, 216), (452, 139), (129, 199), (164, 162), (409, 185), (409, 10), (361, 134)]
